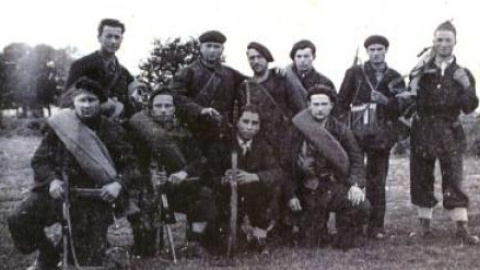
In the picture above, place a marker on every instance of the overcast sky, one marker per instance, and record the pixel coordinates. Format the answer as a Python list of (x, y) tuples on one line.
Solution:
[(337, 27)]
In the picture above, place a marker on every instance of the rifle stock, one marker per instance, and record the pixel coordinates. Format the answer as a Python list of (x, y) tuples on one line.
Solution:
[(232, 237)]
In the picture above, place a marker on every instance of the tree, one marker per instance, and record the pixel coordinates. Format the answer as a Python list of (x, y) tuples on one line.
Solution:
[(166, 59)]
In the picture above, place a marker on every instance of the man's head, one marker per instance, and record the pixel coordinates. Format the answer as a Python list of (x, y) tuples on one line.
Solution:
[(211, 46), (376, 47), (303, 53), (248, 124), (162, 106), (321, 99), (84, 96), (110, 35), (444, 39), (258, 57)]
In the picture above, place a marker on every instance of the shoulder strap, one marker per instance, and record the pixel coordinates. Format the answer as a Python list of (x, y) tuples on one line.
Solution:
[(265, 91)]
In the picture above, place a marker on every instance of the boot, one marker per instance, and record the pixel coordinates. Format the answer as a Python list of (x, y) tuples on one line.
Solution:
[(464, 234), (425, 231)]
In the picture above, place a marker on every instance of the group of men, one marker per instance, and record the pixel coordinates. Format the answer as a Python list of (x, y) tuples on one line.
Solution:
[(295, 148)]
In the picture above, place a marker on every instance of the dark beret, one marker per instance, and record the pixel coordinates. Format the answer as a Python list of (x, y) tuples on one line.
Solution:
[(376, 39), (91, 86), (300, 45), (261, 50), (212, 36), (319, 89), (447, 26)]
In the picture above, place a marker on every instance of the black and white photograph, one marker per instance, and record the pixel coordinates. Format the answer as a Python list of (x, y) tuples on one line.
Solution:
[(210, 134)]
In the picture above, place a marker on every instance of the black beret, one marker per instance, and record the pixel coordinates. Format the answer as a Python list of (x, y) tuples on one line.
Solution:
[(91, 86), (300, 45), (261, 50), (212, 36), (447, 26), (376, 39)]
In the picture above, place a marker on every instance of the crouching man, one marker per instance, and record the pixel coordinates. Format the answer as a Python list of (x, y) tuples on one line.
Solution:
[(81, 149), (328, 174), (164, 145), (258, 176)]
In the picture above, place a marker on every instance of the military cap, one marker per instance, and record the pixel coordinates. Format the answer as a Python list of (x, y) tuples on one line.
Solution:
[(212, 36), (261, 49), (447, 26), (376, 39), (300, 45)]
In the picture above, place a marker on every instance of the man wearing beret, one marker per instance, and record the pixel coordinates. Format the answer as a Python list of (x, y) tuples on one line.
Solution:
[(276, 97), (373, 86), (445, 90), (302, 74), (86, 150), (103, 67), (206, 91)]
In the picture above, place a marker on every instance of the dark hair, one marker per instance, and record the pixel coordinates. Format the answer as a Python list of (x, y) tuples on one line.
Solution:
[(302, 44), (161, 90), (249, 108), (112, 23), (320, 89), (83, 83)]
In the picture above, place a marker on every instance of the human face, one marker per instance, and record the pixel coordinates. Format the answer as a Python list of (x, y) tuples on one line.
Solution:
[(443, 42), (320, 106), (257, 62), (211, 51), (376, 53), (110, 39), (248, 125), (303, 59), (86, 105), (163, 109)]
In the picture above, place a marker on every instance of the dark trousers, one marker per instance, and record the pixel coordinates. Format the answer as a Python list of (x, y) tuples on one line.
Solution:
[(376, 176), (317, 204), (422, 180), (90, 221)]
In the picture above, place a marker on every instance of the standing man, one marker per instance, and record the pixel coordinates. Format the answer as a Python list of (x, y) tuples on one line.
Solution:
[(302, 74), (86, 150), (329, 174), (277, 99), (445, 90), (370, 88), (206, 91), (103, 67)]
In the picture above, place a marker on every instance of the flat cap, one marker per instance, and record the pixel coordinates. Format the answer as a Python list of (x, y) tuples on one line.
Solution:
[(261, 49), (447, 26), (302, 44), (376, 39), (212, 36)]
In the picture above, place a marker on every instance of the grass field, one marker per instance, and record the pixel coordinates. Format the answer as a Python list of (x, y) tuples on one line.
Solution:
[(398, 251)]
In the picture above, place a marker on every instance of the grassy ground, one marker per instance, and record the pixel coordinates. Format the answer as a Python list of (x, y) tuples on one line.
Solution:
[(398, 251)]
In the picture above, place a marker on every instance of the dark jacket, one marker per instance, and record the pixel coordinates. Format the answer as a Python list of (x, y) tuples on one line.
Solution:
[(148, 137), (387, 115), (197, 87), (312, 78), (93, 67), (440, 100), (51, 158), (356, 174)]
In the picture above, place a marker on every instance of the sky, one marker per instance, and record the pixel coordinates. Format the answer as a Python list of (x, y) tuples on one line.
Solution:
[(337, 27)]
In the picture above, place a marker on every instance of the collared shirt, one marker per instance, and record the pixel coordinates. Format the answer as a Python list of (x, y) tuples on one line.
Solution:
[(245, 145), (443, 64)]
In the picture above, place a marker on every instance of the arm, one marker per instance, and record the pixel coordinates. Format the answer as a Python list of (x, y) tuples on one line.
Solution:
[(182, 85), (45, 160), (356, 174), (295, 99), (468, 99)]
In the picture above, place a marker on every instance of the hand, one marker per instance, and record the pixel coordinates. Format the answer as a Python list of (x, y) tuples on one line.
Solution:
[(356, 195), (294, 204), (281, 71), (211, 112), (244, 177), (56, 189), (110, 191), (379, 98), (178, 177), (461, 77)]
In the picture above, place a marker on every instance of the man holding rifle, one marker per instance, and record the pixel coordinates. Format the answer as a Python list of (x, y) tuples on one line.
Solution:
[(165, 148), (84, 149)]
